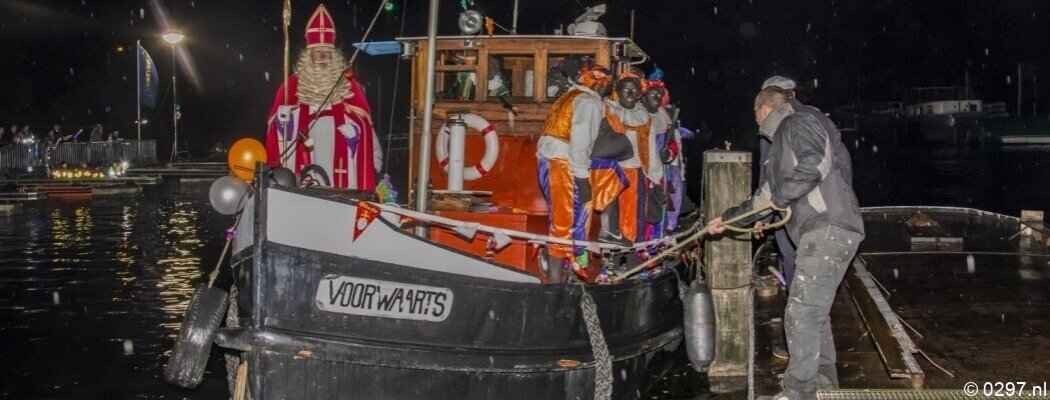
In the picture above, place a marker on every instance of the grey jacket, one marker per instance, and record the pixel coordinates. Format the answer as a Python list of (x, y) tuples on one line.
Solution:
[(801, 173)]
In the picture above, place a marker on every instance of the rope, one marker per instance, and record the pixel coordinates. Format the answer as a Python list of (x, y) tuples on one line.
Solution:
[(603, 377), (652, 260), (393, 97), (226, 248), (530, 237)]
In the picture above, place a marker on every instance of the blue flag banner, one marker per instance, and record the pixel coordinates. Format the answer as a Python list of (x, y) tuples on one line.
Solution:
[(148, 79)]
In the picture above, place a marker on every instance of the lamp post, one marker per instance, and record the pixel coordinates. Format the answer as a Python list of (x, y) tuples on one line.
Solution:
[(173, 38)]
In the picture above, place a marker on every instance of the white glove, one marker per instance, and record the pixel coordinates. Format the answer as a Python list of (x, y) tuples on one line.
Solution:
[(349, 131), (284, 113)]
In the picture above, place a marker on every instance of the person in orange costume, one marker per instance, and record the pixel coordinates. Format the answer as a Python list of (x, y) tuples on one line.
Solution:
[(563, 155), (624, 115)]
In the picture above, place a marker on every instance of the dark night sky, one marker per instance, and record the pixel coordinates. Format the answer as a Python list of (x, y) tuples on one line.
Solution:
[(59, 59)]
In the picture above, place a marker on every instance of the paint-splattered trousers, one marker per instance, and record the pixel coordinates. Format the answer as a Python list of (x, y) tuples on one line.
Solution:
[(823, 257)]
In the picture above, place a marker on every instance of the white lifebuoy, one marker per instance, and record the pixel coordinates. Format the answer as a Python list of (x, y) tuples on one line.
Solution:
[(487, 131)]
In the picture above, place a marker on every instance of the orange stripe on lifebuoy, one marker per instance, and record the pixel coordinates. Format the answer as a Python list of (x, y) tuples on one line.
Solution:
[(481, 170), (488, 129), (443, 163)]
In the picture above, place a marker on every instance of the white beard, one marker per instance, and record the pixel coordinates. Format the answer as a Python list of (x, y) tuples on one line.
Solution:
[(316, 80)]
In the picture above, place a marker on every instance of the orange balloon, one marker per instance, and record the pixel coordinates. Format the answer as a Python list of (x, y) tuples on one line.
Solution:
[(243, 156)]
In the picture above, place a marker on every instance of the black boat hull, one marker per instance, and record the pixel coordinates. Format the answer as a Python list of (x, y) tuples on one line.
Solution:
[(319, 325)]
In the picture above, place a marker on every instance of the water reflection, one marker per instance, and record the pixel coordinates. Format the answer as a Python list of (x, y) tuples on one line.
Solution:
[(82, 282)]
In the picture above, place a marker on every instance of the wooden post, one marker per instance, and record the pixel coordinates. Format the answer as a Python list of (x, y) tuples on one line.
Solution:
[(727, 182)]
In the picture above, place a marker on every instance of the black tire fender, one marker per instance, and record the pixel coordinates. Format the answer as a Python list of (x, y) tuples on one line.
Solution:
[(189, 357)]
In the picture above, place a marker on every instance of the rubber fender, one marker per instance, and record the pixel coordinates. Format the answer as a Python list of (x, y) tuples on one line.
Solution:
[(699, 325), (203, 315)]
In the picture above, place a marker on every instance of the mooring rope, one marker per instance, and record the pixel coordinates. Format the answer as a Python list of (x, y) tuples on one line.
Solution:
[(728, 225), (603, 377)]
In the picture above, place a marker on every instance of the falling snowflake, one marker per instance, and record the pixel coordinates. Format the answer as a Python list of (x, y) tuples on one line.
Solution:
[(1008, 79), (267, 75), (816, 83), (125, 77), (692, 70), (986, 52), (716, 10), (142, 13), (71, 70), (193, 4), (808, 27), (241, 57)]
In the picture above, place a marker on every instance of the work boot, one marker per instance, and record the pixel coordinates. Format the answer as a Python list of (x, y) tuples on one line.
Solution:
[(780, 351), (610, 232), (785, 394), (827, 377), (555, 269)]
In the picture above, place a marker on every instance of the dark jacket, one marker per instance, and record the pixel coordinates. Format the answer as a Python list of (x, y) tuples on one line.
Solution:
[(801, 173), (843, 161)]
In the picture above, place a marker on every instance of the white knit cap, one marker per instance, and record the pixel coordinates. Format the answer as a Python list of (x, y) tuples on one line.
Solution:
[(780, 82)]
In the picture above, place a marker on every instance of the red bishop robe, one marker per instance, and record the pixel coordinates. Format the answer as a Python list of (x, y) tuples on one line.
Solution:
[(354, 109)]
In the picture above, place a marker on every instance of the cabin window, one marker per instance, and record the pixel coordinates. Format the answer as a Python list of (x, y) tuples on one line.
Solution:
[(456, 75), (558, 68), (511, 76)]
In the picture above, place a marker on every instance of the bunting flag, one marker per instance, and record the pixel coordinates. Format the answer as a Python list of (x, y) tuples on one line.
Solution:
[(366, 213), (467, 230), (402, 220), (501, 239), (148, 79)]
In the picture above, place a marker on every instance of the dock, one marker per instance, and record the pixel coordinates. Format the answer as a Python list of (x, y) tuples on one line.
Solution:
[(1025, 139), (181, 170), (912, 320)]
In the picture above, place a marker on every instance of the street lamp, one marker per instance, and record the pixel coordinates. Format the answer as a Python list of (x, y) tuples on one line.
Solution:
[(173, 38)]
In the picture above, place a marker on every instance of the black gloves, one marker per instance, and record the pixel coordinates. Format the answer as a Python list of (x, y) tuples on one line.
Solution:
[(584, 187)]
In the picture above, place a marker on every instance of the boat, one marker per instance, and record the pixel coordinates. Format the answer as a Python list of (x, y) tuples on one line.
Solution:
[(336, 295), (928, 116)]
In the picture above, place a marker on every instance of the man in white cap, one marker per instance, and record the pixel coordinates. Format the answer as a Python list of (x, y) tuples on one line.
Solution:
[(841, 158), (801, 173)]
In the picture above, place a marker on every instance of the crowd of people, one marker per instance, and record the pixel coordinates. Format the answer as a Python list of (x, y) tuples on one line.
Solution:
[(56, 135)]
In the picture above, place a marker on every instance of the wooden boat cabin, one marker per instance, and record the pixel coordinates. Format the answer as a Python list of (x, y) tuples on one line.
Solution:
[(523, 74)]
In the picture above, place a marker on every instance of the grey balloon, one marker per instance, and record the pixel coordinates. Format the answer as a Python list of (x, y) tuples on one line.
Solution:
[(228, 195), (282, 176)]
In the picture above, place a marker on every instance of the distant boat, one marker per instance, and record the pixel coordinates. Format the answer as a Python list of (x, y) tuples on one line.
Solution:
[(927, 116), (943, 115)]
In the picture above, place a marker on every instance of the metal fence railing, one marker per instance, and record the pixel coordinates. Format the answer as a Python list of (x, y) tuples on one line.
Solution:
[(26, 156)]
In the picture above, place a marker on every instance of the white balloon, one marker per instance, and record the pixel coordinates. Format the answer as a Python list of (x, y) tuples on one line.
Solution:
[(228, 195)]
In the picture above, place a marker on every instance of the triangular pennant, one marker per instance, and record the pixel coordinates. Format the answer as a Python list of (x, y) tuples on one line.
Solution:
[(467, 230), (404, 220), (366, 213), (501, 238)]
